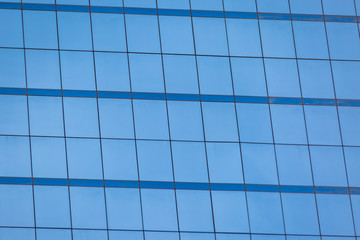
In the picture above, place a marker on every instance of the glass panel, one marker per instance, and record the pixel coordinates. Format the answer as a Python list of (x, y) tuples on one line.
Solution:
[(109, 3), (179, 4), (54, 234), (278, 6), (306, 6), (12, 68), (346, 79), (140, 3), (162, 236), (207, 5), (12, 32), (355, 201), (332, 7), (13, 117), (350, 128), (133, 235), (352, 165), (18, 234), (89, 235), (240, 6)]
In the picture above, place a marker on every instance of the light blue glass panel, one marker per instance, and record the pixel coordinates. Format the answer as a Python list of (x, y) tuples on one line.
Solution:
[(123, 208), (346, 79), (254, 122), (300, 213), (350, 128), (112, 71), (108, 3), (248, 76), (189, 162), (306, 6), (140, 3), (310, 40), (154, 160), (16, 203), (316, 79), (74, 30), (328, 166), (228, 236), (219, 121), (17, 233), (15, 157), (42, 67), (48, 157), (46, 116), (89, 235), (177, 39), (352, 165), (282, 77), (259, 163), (194, 209), (159, 209), (142, 33), (108, 32), (214, 75), (224, 162), (343, 40), (210, 36), (88, 207), (185, 120), (116, 119), (215, 5), (357, 3), (179, 4), (334, 209), (355, 201), (12, 68), (304, 237), (162, 236), (146, 73), (288, 119), (134, 235), (230, 213), (332, 7), (84, 158), (268, 237), (119, 159), (13, 117), (197, 236), (39, 1), (52, 206), (54, 234), (180, 74), (277, 38), (81, 118), (240, 6), (71, 2), (265, 212), (293, 165), (40, 29), (150, 119), (274, 6), (244, 39), (77, 70), (11, 34), (338, 238)]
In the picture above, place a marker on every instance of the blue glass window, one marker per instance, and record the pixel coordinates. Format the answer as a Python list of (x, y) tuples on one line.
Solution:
[(227, 236), (84, 158), (108, 32), (146, 73), (123, 208), (54, 234), (119, 159), (151, 119), (180, 74), (265, 212), (214, 75), (39, 76), (179, 4), (52, 206), (154, 160), (74, 30), (159, 210), (224, 162), (46, 116), (109, 3), (140, 3), (81, 117), (142, 33), (71, 2), (13, 117), (210, 36), (116, 119), (244, 39), (350, 128), (177, 39), (268, 237), (88, 207), (134, 235), (355, 201), (15, 156), (40, 29), (331, 7), (12, 68), (352, 165), (16, 202), (197, 236), (248, 76), (288, 119), (194, 210), (189, 162), (77, 70), (240, 6), (293, 165), (162, 236), (11, 33), (300, 213), (277, 38), (230, 213), (219, 121), (306, 6), (282, 77), (207, 5), (39, 1), (89, 235), (277, 6), (112, 71), (259, 163), (185, 120), (48, 157), (254, 122), (346, 79), (328, 166)]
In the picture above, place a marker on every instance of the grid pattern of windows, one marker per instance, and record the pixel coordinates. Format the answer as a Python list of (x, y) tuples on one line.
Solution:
[(180, 120)]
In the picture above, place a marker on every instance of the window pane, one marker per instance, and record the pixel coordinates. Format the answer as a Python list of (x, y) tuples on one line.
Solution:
[(133, 235), (110, 3), (162, 235), (11, 34), (89, 235), (18, 233), (278, 6), (350, 128), (227, 236), (206, 5), (54, 234), (140, 3), (197, 236), (179, 4), (331, 7), (13, 119), (12, 68), (352, 165), (355, 201), (346, 79), (306, 6), (240, 6)]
